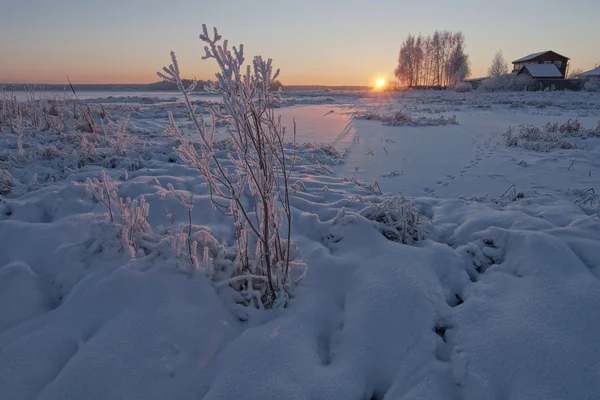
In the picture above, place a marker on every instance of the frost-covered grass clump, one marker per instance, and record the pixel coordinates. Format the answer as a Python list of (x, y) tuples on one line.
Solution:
[(6, 182), (549, 136), (322, 153), (403, 118), (398, 219), (588, 200)]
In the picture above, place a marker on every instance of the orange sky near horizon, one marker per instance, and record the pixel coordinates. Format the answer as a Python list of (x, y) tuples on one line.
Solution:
[(339, 42)]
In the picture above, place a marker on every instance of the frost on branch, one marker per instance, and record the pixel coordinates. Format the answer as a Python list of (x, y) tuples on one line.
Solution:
[(251, 184)]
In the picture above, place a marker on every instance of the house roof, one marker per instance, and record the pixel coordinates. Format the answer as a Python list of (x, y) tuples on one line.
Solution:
[(543, 71), (535, 55), (593, 72)]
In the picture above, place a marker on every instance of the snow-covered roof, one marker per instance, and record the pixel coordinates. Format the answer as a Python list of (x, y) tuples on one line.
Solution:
[(534, 55), (530, 57), (543, 71), (593, 72)]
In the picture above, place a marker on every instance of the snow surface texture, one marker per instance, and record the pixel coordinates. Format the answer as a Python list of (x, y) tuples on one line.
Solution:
[(494, 296)]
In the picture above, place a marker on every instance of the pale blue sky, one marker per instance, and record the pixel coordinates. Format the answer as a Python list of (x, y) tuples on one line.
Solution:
[(312, 41)]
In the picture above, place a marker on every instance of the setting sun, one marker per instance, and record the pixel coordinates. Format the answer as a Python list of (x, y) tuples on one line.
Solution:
[(380, 83)]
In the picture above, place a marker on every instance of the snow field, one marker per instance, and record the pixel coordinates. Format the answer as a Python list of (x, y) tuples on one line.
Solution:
[(498, 302)]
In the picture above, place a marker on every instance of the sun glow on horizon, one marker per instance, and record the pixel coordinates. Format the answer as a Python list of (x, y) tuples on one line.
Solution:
[(379, 83)]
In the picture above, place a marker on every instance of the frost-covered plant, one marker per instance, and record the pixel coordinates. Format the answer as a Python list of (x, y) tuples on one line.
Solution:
[(512, 194), (463, 87), (6, 182), (323, 153), (133, 216), (20, 149), (298, 186), (122, 139), (546, 137), (49, 152), (260, 170), (592, 85), (588, 200), (188, 202), (87, 147), (403, 118), (398, 219), (104, 191), (129, 215), (571, 127), (374, 187), (507, 83)]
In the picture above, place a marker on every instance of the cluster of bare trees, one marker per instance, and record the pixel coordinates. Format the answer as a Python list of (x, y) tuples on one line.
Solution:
[(435, 60)]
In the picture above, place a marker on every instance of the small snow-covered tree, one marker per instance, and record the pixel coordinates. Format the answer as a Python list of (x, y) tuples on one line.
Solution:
[(499, 67), (254, 189)]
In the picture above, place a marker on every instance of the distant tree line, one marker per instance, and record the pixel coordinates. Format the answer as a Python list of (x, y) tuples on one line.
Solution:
[(434, 60), (156, 86), (167, 86)]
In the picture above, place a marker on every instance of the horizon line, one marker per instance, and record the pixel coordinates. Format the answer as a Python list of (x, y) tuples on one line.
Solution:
[(151, 83)]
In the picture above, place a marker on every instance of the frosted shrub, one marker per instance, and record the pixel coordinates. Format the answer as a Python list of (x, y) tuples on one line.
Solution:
[(592, 85), (129, 215), (6, 182), (398, 219), (463, 87), (254, 190), (507, 83)]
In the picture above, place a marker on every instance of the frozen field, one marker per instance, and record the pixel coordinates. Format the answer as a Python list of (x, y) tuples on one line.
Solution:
[(499, 300)]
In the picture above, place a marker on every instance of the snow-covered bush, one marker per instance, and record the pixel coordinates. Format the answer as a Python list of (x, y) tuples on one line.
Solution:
[(592, 85), (254, 190), (463, 87), (507, 83), (398, 219)]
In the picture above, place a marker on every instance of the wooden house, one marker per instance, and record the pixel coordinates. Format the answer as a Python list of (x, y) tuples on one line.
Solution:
[(549, 58)]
